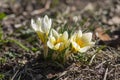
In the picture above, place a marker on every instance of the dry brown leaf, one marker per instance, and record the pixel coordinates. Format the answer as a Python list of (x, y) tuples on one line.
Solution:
[(100, 33)]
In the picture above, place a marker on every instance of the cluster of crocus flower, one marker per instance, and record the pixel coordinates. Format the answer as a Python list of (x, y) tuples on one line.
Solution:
[(80, 42), (58, 41)]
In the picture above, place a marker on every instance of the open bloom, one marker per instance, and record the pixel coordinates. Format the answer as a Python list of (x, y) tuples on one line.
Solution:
[(42, 27), (81, 42), (58, 41)]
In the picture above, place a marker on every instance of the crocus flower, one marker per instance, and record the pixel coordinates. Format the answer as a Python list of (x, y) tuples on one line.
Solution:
[(42, 27), (81, 42), (58, 41)]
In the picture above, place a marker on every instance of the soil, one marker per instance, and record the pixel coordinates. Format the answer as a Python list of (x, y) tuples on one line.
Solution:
[(21, 50)]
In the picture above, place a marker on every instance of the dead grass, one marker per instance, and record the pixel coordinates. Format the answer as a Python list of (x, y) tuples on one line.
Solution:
[(20, 59)]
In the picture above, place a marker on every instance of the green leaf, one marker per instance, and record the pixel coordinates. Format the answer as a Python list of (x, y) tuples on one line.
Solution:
[(1, 76), (19, 44), (1, 33), (2, 15), (2, 60)]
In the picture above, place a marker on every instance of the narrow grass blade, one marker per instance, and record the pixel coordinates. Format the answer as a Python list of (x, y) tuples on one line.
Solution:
[(19, 44)]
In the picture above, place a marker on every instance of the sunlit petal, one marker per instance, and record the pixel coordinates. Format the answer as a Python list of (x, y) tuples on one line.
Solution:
[(84, 49), (79, 34), (34, 26), (57, 46), (87, 37), (52, 39), (50, 45), (65, 35), (75, 46), (55, 33)]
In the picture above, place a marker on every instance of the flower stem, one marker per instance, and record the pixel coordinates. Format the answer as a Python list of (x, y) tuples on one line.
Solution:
[(45, 51)]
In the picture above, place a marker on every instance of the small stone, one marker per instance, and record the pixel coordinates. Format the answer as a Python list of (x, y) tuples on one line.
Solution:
[(116, 20), (104, 20), (110, 22), (89, 7), (38, 77), (18, 25), (105, 12), (50, 76), (117, 9)]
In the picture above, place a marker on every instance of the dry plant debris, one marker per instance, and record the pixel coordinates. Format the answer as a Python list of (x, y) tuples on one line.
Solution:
[(20, 49)]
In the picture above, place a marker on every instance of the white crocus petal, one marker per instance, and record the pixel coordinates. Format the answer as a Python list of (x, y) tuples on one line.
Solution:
[(52, 39), (48, 21), (65, 35), (92, 43), (46, 18), (50, 45), (44, 26), (87, 37), (54, 33), (73, 38), (39, 21), (34, 25), (84, 49), (79, 34), (57, 46), (76, 46)]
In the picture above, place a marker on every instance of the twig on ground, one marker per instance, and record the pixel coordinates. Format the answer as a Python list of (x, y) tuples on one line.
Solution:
[(100, 64), (62, 74), (92, 59), (39, 11), (105, 76), (15, 75)]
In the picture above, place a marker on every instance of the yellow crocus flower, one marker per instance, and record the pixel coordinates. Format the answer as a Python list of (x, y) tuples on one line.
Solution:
[(42, 27), (58, 41), (81, 42)]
